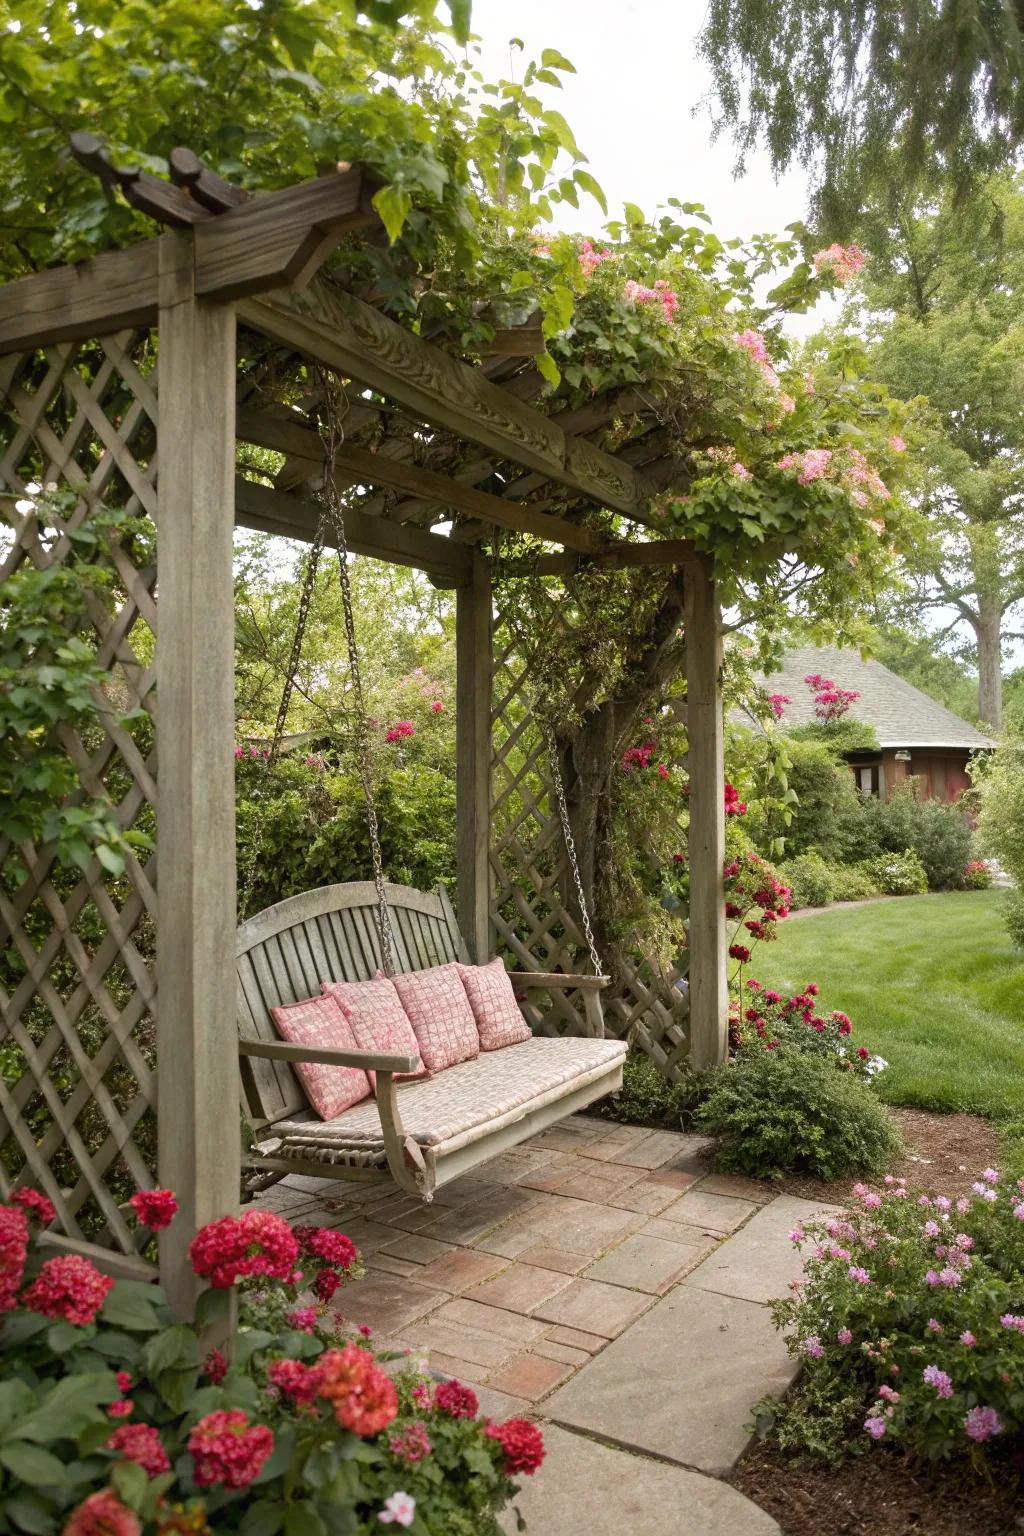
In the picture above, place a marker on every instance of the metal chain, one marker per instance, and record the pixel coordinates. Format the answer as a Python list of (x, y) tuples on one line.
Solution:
[(333, 515), (570, 847), (305, 598)]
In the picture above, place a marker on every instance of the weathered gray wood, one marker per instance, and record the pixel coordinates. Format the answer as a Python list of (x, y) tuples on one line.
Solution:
[(108, 293), (282, 1050), (657, 552), (709, 993), (474, 665), (198, 1143), (257, 506), (558, 980), (340, 331)]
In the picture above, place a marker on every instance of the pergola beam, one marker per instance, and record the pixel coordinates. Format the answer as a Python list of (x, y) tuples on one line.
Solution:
[(270, 511), (280, 238), (400, 475), (341, 332)]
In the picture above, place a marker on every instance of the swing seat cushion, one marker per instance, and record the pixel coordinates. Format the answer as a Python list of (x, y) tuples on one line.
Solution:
[(499, 1022), (464, 1104), (378, 1020), (320, 1022), (436, 1004)]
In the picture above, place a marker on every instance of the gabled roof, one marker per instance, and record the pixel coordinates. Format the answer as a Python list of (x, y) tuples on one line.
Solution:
[(901, 714)]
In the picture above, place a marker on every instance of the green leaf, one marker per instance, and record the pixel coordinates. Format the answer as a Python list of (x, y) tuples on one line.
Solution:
[(68, 1408), (131, 1304), (393, 205), (548, 369), (110, 858), (263, 1519), (634, 215), (173, 1348), (589, 184), (552, 59), (26, 1511), (31, 1464), (64, 1336), (16, 1400), (131, 1482), (460, 13)]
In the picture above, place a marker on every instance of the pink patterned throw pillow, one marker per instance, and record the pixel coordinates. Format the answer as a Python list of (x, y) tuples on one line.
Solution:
[(379, 1023), (438, 1008), (320, 1022), (498, 1019)]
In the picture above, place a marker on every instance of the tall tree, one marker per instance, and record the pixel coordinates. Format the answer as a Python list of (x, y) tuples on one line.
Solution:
[(942, 302), (870, 94)]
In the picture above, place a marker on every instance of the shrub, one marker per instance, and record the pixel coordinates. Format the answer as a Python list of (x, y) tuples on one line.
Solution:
[(936, 832), (976, 876), (828, 814), (1013, 913), (898, 874), (771, 1022), (648, 1098), (908, 1324), (810, 880), (853, 882), (1000, 784), (785, 1111), (111, 1419)]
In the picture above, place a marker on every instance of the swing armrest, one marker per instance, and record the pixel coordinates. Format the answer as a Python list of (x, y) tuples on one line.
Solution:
[(557, 981), (371, 1061)]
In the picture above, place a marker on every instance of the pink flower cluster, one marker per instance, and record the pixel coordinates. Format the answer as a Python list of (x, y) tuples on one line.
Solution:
[(812, 464), (522, 1444), (753, 343), (69, 1288), (227, 1450), (661, 294), (400, 730), (13, 1253), (842, 261), (155, 1208), (363, 1396), (777, 703), (591, 259), (102, 1514), (734, 806), (141, 1443), (35, 1205), (239, 1247)]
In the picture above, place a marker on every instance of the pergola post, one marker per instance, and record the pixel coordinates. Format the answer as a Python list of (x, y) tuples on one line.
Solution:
[(198, 1125), (474, 671), (709, 993)]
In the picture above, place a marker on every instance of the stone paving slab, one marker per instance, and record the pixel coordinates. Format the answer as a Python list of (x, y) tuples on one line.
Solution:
[(681, 1381), (759, 1261), (587, 1489), (645, 1263)]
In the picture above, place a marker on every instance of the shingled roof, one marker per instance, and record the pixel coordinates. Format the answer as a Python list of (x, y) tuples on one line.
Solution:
[(901, 714)]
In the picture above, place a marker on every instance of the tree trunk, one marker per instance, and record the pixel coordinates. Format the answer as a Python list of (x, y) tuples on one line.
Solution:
[(988, 632)]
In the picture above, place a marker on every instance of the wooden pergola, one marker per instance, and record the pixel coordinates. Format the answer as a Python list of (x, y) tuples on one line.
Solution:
[(470, 445)]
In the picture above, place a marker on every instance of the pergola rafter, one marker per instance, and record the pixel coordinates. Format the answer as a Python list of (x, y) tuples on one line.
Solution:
[(441, 458)]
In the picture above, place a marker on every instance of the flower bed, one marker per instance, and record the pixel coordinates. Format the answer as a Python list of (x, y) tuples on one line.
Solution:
[(116, 1421), (910, 1324)]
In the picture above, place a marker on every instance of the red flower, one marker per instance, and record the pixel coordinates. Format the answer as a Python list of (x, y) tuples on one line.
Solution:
[(323, 1243), (326, 1283), (400, 729), (68, 1287), (732, 910), (215, 1367), (141, 1443), (124, 1382), (734, 806), (436, 706), (35, 1204), (522, 1443), (863, 1054), (300, 1382), (155, 1208), (121, 1409), (235, 1247), (102, 1514), (412, 1443), (457, 1401), (227, 1449), (679, 858), (13, 1253), (662, 771), (739, 952), (363, 1397)]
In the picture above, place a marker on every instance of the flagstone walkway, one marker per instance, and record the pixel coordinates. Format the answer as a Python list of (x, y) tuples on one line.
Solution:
[(601, 1280)]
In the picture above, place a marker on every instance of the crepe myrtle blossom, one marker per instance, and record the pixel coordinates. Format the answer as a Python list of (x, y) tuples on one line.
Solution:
[(839, 261), (859, 1274), (845, 1337), (813, 1347), (875, 1426), (982, 1423), (942, 1382)]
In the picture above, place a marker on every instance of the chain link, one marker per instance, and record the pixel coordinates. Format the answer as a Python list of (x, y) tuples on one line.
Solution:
[(332, 516), (570, 847)]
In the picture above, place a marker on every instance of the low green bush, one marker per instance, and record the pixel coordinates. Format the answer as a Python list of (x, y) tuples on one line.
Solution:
[(828, 816), (976, 876), (810, 880), (908, 1326), (853, 882), (778, 1112), (1013, 912), (938, 833), (648, 1098), (898, 874)]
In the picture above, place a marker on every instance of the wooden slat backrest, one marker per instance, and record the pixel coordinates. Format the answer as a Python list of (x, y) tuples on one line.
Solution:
[(328, 934)]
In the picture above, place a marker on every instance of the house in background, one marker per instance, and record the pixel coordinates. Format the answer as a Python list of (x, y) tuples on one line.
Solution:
[(918, 738)]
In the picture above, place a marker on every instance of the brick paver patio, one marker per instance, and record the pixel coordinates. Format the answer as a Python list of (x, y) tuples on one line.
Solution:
[(536, 1280)]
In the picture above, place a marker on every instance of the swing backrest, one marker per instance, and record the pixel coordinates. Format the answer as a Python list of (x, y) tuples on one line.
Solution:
[(284, 953)]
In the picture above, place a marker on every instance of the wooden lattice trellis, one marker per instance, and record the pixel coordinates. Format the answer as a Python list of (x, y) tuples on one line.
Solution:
[(77, 1088), (530, 916)]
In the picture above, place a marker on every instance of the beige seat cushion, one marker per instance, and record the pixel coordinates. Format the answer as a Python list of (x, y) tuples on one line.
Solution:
[(465, 1102)]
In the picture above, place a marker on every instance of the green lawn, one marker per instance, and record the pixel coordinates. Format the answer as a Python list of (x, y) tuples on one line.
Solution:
[(930, 982)]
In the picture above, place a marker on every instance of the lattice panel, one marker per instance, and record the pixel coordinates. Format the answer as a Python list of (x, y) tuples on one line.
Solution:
[(528, 863), (77, 1047)]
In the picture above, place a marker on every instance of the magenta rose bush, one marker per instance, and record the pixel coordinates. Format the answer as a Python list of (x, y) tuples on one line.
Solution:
[(115, 1420), (910, 1325)]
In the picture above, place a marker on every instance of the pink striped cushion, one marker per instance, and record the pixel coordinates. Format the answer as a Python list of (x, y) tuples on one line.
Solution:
[(498, 1019), (438, 1008), (320, 1022), (379, 1023)]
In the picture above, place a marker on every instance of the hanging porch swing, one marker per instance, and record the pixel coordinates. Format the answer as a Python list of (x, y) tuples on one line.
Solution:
[(421, 1134)]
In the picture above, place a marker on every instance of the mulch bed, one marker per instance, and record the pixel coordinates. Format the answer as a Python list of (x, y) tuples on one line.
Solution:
[(880, 1494), (944, 1155)]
